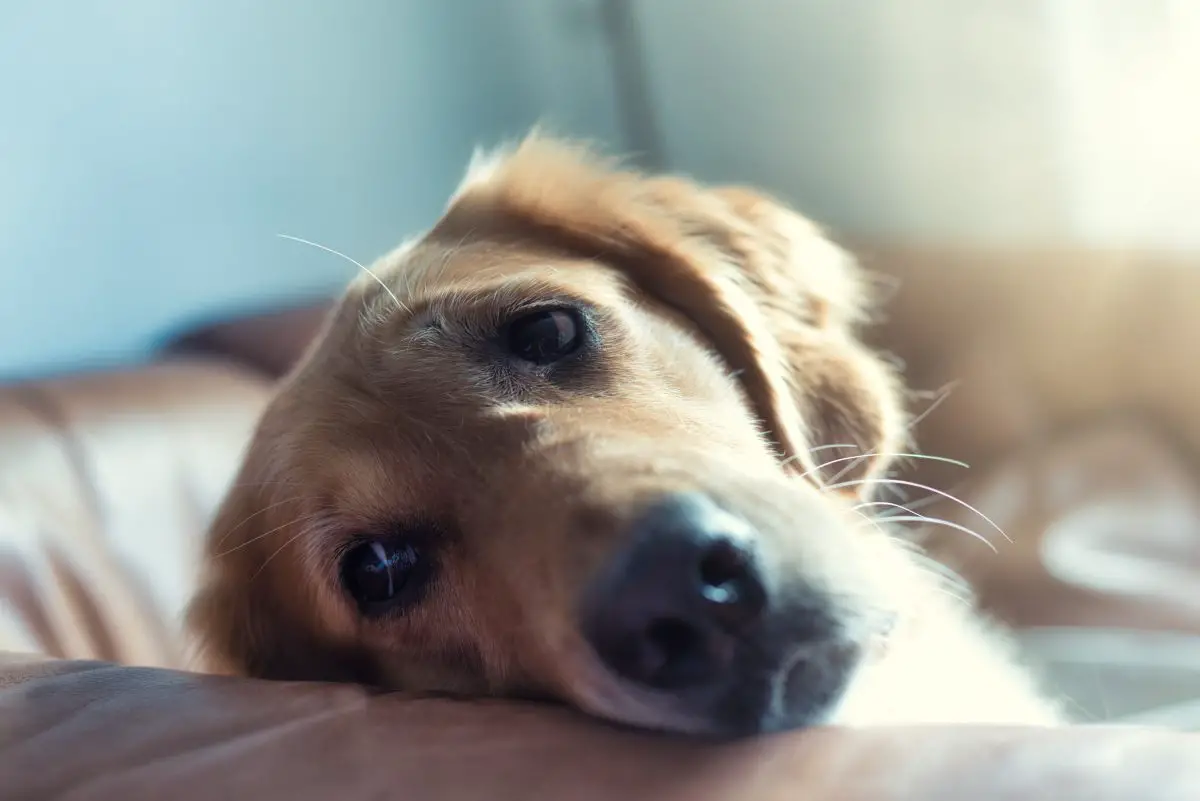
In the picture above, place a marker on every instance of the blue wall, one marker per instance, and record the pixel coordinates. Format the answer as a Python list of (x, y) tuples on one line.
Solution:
[(151, 151)]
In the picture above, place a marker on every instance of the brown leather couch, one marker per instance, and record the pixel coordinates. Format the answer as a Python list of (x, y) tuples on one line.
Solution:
[(1077, 406)]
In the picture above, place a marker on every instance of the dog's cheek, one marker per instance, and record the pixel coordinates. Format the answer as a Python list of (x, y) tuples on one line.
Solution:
[(246, 628), (454, 669)]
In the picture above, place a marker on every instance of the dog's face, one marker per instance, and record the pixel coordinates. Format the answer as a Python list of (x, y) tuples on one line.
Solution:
[(567, 445)]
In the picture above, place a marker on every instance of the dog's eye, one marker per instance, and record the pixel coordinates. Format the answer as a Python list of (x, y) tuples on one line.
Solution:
[(545, 336), (378, 573)]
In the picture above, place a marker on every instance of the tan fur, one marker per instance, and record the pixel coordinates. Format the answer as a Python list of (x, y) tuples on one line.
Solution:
[(730, 354)]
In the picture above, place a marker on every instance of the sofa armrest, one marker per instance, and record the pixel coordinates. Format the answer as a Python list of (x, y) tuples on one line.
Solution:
[(91, 730), (271, 342)]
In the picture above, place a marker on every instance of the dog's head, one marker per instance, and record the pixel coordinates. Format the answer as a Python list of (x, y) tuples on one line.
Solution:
[(569, 445)]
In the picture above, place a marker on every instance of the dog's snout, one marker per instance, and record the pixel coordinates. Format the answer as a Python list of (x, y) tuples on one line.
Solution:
[(669, 611), (694, 610)]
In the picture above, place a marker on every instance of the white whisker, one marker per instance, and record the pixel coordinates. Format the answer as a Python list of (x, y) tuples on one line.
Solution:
[(265, 534), (895, 481), (835, 445), (937, 521), (278, 551), (943, 394), (839, 475), (356, 263), (943, 459), (913, 506), (869, 519), (816, 448), (901, 509), (891, 504), (266, 508), (944, 572), (916, 517)]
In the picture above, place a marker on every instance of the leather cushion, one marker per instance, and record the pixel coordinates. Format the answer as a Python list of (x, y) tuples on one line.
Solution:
[(87, 730)]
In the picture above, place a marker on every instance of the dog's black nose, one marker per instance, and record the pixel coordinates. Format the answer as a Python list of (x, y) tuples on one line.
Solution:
[(670, 610)]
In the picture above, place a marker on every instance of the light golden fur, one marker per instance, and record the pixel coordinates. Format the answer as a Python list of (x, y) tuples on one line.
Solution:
[(730, 362)]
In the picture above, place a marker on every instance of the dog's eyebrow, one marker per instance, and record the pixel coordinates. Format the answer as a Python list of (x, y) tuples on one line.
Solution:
[(494, 302)]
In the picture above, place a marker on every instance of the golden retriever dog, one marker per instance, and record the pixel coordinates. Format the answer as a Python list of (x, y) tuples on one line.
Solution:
[(574, 444)]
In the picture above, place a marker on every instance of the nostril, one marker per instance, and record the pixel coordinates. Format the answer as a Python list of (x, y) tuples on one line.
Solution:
[(728, 580), (722, 567)]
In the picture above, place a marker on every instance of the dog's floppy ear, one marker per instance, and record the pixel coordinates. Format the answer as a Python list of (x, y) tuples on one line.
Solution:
[(815, 297), (776, 299)]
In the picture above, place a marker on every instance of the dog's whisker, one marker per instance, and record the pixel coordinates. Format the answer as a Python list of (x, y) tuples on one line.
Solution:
[(914, 547), (925, 562), (837, 445), (356, 263), (869, 519), (840, 459), (907, 515), (272, 483), (932, 565), (937, 521), (811, 470), (814, 449), (963, 598), (891, 504), (278, 551), (919, 503), (897, 509), (901, 509), (853, 463), (265, 534), (859, 482), (255, 514), (942, 395)]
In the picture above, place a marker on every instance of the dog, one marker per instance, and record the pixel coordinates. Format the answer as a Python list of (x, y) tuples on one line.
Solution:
[(572, 445)]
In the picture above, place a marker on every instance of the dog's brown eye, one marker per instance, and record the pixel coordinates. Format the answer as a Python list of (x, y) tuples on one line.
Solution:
[(545, 336), (376, 574)]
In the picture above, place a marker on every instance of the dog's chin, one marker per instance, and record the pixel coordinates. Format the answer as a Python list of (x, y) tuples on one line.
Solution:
[(790, 697)]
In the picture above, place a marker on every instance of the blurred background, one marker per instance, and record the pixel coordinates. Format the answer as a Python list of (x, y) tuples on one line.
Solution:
[(1025, 174), (150, 151)]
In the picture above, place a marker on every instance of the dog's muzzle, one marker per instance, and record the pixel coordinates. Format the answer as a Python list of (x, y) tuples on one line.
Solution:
[(686, 614)]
